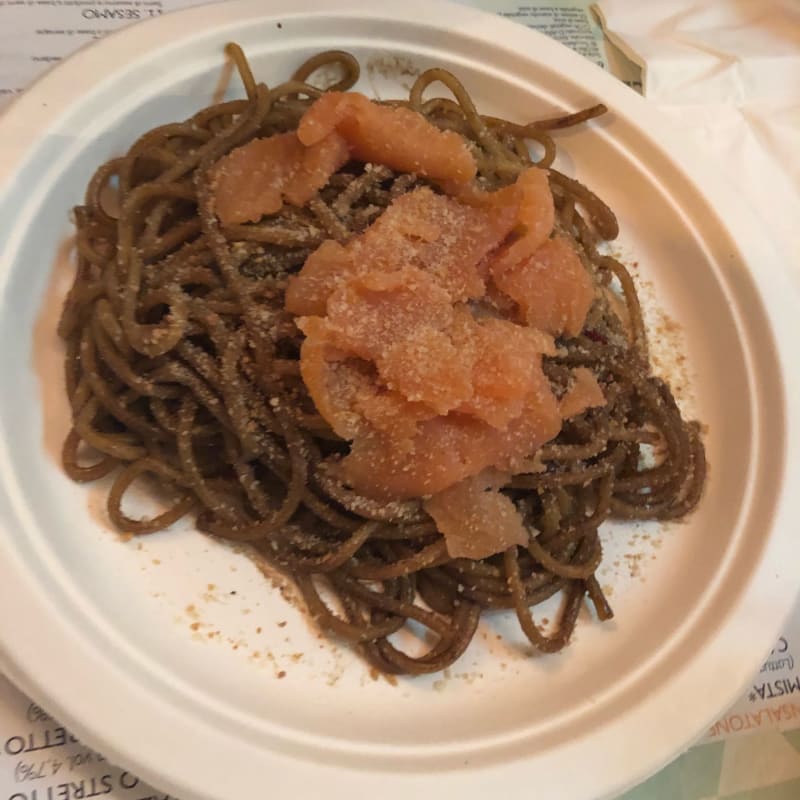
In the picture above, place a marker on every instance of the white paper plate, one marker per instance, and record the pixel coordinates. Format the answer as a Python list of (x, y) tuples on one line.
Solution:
[(171, 655)]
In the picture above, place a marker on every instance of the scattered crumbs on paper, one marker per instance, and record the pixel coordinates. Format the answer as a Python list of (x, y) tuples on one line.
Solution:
[(209, 597), (634, 563)]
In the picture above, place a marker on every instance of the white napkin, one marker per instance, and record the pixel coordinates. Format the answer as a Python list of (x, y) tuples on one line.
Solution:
[(728, 73)]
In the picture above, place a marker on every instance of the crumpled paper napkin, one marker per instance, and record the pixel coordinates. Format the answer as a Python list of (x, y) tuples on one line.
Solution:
[(727, 72)]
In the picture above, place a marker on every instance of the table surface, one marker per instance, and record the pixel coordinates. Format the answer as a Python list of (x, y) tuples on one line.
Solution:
[(751, 753)]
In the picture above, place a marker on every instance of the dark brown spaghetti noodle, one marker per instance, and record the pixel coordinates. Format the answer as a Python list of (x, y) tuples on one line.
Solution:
[(183, 366)]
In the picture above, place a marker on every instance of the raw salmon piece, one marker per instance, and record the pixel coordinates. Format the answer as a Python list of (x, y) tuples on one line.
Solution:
[(373, 311), (253, 180), (249, 181), (307, 293), (445, 450), (584, 392), (433, 233), (347, 393), (392, 415), (426, 367), (536, 215), (426, 358), (332, 382), (448, 449), (551, 287), (475, 519), (506, 367), (320, 161), (539, 422), (395, 137), (530, 201), (430, 390), (436, 234)]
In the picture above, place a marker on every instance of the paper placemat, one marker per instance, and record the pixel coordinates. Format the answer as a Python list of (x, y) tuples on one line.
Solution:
[(753, 751)]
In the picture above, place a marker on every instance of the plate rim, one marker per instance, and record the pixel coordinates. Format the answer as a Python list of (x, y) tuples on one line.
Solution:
[(30, 113)]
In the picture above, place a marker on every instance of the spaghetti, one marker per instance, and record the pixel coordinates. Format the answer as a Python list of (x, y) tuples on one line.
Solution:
[(183, 368)]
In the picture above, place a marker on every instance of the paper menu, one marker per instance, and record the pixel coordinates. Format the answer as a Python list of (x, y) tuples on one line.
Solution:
[(35, 34), (575, 24), (42, 760), (772, 701), (727, 73)]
